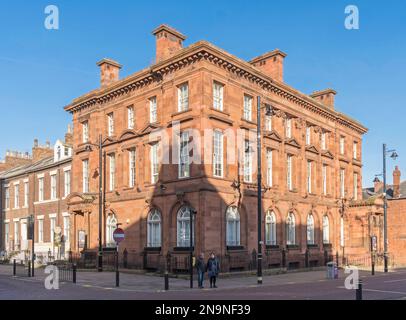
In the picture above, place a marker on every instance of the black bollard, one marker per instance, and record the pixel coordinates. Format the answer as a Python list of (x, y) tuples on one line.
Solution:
[(32, 266), (117, 272), (373, 268), (74, 273), (166, 280), (14, 267), (358, 291), (29, 268)]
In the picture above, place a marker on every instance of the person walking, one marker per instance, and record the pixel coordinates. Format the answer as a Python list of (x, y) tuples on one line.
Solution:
[(213, 268), (201, 269)]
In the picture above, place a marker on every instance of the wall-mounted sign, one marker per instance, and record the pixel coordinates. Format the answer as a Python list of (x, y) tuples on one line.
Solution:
[(81, 239), (374, 243)]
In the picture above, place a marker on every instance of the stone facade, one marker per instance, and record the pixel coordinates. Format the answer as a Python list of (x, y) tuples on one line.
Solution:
[(302, 128), (367, 220)]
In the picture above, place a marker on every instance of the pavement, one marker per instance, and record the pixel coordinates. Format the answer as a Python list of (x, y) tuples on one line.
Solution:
[(310, 285)]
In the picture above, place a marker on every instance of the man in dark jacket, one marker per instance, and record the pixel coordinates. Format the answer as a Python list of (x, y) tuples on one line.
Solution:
[(201, 269), (213, 268)]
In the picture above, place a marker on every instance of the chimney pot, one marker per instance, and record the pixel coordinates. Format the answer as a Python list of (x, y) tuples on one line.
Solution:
[(35, 143)]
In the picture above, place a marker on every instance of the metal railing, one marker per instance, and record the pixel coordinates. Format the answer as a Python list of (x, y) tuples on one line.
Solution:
[(67, 271), (366, 260), (178, 262)]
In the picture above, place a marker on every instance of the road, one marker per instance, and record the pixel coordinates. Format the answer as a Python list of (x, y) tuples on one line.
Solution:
[(291, 286)]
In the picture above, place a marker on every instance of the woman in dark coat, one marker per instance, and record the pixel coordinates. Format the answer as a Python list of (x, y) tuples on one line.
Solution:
[(213, 268)]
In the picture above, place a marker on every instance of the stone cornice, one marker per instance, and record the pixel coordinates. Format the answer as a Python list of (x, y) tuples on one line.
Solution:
[(203, 50)]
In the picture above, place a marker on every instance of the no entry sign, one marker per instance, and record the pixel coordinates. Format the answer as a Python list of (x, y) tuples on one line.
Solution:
[(118, 235)]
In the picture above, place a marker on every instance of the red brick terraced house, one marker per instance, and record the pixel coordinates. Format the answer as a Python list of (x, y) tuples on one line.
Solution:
[(37, 189), (311, 156)]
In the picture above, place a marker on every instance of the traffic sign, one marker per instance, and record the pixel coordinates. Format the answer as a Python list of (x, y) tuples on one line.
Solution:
[(118, 235)]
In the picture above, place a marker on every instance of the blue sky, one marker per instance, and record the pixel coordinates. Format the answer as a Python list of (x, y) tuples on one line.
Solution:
[(42, 70)]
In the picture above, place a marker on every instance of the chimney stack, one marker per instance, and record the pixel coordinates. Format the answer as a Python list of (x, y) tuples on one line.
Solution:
[(168, 42), (109, 72), (41, 152), (69, 136), (378, 185), (325, 97), (271, 63), (15, 159), (396, 182)]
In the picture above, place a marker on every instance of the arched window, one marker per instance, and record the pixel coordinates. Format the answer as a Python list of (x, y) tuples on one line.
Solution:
[(326, 230), (111, 226), (183, 227), (154, 229), (233, 226), (310, 229), (290, 229), (270, 228)]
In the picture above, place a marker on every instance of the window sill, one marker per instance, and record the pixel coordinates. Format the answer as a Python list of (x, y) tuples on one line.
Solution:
[(292, 247), (235, 248), (217, 177), (249, 121), (177, 113), (129, 188), (46, 201), (151, 184), (182, 249), (220, 111), (312, 246), (327, 245), (272, 247), (152, 249)]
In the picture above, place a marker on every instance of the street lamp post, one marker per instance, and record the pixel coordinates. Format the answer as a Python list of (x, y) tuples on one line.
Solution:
[(32, 231), (100, 249), (259, 202), (100, 256), (259, 186), (385, 206), (192, 213)]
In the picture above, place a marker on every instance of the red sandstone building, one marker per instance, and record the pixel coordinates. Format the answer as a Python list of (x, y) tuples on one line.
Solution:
[(312, 160), (179, 137), (366, 218)]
